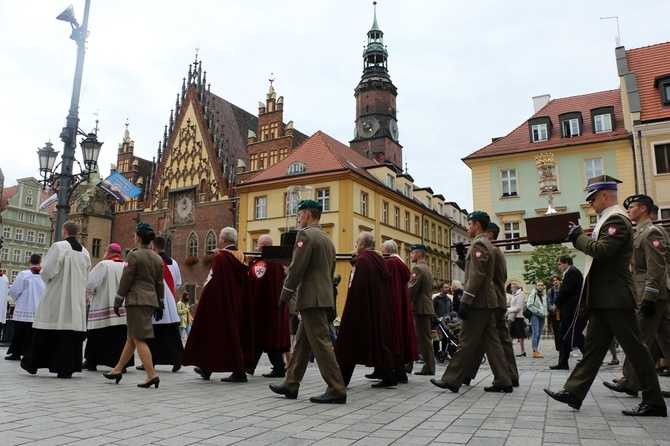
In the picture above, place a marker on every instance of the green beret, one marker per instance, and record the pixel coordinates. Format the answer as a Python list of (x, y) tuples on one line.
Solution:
[(143, 225), (478, 215), (418, 246), (493, 227), (309, 204)]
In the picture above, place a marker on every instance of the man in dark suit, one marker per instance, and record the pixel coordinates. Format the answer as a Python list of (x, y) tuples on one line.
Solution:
[(565, 305), (610, 298), (479, 302), (650, 274), (310, 278)]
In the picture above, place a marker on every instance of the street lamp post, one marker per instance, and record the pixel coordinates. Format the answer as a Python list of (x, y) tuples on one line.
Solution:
[(90, 145)]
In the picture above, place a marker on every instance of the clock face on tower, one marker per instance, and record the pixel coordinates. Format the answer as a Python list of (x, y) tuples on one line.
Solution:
[(367, 126), (393, 129), (183, 208)]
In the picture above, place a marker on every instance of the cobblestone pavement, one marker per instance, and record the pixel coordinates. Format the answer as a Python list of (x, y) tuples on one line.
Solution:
[(186, 410)]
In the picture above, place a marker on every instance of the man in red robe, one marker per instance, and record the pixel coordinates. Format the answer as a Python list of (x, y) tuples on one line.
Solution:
[(216, 342), (366, 331), (271, 325)]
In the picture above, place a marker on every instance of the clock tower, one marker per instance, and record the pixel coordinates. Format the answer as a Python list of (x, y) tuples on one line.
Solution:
[(376, 129)]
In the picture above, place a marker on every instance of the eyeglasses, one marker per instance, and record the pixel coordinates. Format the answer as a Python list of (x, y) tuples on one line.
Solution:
[(593, 197)]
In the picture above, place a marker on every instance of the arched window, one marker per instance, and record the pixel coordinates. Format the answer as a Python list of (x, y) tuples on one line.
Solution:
[(211, 242), (296, 168), (168, 247), (192, 245)]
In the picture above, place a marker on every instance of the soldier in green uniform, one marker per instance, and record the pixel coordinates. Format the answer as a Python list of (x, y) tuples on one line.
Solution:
[(610, 298), (650, 274), (477, 312), (421, 293)]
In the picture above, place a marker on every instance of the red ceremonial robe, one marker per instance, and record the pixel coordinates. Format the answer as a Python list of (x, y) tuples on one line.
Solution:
[(403, 320), (365, 335), (271, 326), (215, 343)]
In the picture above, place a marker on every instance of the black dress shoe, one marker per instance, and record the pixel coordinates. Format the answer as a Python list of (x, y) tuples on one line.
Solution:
[(28, 369), (467, 381), (646, 410), (204, 375), (559, 367), (503, 389), (402, 379), (372, 376), (235, 378), (329, 399), (281, 390), (88, 366), (250, 371), (64, 375), (176, 368), (274, 374), (665, 394), (619, 388), (384, 384), (566, 397), (424, 373), (515, 383), (442, 385), (13, 357), (139, 367)]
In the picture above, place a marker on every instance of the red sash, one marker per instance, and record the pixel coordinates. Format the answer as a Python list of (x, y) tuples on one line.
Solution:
[(169, 280)]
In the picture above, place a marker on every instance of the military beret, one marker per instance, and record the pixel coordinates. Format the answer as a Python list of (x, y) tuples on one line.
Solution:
[(418, 246), (478, 215), (143, 225), (601, 182), (115, 247), (493, 227), (654, 209), (309, 204), (639, 198)]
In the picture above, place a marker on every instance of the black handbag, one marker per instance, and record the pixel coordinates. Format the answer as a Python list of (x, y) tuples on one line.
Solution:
[(526, 312)]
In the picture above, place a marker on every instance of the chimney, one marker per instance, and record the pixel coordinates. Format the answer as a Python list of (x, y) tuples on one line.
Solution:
[(540, 101)]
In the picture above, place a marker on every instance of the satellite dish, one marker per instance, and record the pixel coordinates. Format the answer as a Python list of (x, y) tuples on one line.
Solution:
[(68, 16)]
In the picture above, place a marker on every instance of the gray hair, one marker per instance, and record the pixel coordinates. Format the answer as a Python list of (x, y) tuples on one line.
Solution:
[(367, 239), (229, 234), (391, 246), (264, 240)]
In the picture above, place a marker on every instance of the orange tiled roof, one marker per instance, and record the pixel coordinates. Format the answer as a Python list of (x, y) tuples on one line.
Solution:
[(7, 193), (320, 153), (518, 140), (648, 63)]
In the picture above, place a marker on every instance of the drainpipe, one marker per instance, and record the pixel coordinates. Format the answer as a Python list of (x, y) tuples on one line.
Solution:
[(644, 176)]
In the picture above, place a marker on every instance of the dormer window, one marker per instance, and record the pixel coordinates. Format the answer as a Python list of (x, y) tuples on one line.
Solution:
[(539, 128), (602, 119), (296, 168), (663, 85), (390, 181), (571, 124)]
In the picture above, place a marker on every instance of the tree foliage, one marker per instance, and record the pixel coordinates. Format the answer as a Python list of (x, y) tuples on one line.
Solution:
[(542, 263)]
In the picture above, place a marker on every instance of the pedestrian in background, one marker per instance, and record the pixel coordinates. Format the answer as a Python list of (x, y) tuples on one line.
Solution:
[(552, 316), (185, 318), (514, 314), (538, 307)]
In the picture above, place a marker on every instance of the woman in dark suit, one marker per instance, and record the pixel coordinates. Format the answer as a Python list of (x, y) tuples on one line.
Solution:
[(141, 286)]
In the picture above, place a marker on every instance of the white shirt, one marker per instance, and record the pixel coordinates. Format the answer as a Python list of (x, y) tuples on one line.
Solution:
[(103, 282), (4, 286), (26, 291), (170, 315)]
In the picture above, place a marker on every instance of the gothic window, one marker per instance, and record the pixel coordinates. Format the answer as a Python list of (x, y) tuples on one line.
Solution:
[(211, 241), (192, 245)]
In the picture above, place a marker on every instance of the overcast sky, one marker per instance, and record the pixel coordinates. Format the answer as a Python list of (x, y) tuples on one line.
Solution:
[(465, 70)]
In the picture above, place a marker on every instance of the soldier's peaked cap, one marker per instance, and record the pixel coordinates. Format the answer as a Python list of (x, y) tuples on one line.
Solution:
[(601, 182)]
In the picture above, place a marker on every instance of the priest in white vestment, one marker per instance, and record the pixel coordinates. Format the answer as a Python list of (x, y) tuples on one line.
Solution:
[(60, 319)]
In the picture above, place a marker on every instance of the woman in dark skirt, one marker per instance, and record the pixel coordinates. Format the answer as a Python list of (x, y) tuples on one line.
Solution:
[(142, 289), (514, 315)]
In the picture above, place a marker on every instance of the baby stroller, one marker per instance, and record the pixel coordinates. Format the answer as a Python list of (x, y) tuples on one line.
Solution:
[(449, 342)]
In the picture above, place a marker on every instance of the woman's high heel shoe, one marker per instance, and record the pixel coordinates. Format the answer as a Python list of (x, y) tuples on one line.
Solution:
[(521, 354), (152, 382), (116, 376)]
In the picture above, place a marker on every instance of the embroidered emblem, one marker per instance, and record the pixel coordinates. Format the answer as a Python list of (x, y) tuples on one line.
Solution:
[(611, 230), (478, 254), (259, 269), (125, 264), (300, 244), (655, 243), (413, 275)]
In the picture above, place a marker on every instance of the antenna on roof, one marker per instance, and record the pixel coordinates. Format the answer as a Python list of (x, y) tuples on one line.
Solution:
[(617, 39)]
